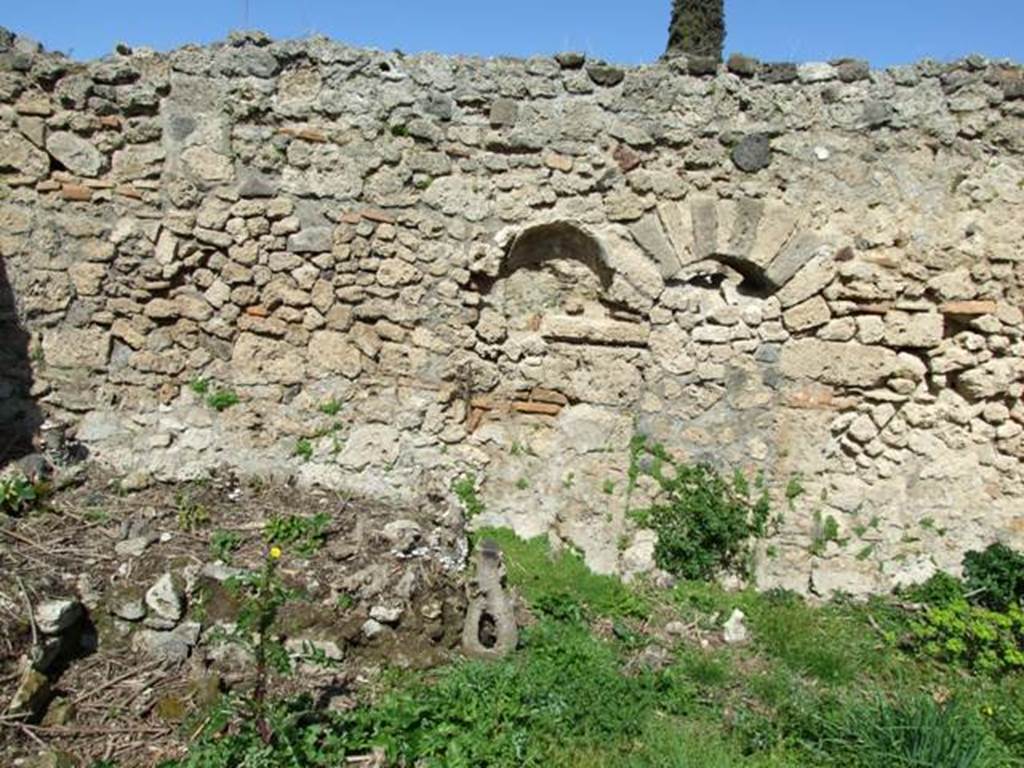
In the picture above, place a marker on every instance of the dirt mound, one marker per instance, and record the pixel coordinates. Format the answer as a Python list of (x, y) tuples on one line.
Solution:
[(160, 576)]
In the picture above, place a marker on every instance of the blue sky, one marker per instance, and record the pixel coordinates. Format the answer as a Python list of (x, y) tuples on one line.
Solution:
[(628, 31)]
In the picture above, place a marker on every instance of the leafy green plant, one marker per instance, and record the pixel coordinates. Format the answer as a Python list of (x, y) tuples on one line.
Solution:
[(705, 523), (218, 398), (982, 639), (261, 595), (464, 488), (564, 691), (224, 543), (344, 601), (222, 399), (995, 576), (305, 535), (825, 643), (939, 589), (18, 494)]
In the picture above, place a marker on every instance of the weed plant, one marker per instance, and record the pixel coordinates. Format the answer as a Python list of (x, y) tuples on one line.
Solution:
[(18, 494), (304, 535), (704, 521)]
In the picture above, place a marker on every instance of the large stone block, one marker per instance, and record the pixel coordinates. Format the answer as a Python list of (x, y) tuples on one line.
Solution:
[(648, 233), (259, 360), (76, 348), (332, 352), (800, 250), (76, 154), (17, 154), (810, 314), (844, 364), (921, 330)]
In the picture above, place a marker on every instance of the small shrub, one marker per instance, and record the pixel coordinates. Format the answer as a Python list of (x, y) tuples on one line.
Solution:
[(464, 488), (564, 692), (704, 522), (261, 595), (996, 576), (985, 640), (825, 530), (940, 589), (825, 643), (344, 601)]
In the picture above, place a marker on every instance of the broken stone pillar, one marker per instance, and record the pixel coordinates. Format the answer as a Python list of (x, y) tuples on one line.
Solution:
[(490, 631)]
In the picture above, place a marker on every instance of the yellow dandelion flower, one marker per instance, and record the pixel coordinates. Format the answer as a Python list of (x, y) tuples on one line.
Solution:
[(275, 553)]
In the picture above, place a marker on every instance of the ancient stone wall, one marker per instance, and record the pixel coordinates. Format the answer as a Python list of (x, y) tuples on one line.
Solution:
[(410, 268)]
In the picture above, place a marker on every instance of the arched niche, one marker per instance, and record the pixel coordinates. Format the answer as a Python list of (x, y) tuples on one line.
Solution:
[(550, 269)]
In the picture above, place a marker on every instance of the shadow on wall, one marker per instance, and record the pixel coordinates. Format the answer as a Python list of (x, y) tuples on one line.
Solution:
[(20, 417)]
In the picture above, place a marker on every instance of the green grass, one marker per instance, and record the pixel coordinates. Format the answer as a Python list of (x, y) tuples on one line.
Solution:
[(561, 584), (303, 449), (829, 686)]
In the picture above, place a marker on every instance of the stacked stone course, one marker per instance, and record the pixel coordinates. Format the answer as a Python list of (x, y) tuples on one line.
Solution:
[(510, 266)]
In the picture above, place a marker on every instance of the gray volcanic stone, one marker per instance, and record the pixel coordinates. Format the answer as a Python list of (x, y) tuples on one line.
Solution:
[(173, 646), (75, 153), (779, 72), (702, 65), (752, 154), (876, 114), (165, 599), (744, 66), (311, 240), (605, 74), (252, 183), (503, 112), (129, 609), (570, 59), (852, 70)]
